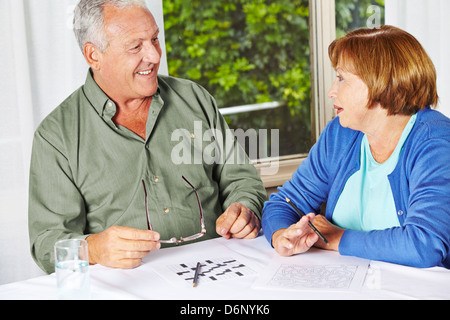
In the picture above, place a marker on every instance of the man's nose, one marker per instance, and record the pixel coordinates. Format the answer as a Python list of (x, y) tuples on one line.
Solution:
[(152, 54)]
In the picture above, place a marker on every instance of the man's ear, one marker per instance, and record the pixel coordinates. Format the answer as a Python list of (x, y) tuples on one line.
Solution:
[(92, 56)]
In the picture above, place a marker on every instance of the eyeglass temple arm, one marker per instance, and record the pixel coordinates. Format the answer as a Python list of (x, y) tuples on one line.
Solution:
[(198, 201), (149, 225)]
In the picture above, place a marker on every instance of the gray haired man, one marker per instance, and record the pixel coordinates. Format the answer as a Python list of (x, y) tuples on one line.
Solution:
[(101, 166)]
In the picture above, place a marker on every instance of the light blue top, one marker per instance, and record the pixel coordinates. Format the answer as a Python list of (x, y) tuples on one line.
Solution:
[(367, 202)]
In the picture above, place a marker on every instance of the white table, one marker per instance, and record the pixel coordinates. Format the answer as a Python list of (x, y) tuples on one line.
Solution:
[(382, 281)]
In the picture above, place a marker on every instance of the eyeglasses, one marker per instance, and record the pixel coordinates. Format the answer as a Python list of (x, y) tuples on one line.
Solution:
[(182, 239)]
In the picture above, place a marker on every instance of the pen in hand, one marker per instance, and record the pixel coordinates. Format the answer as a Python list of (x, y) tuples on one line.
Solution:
[(301, 214)]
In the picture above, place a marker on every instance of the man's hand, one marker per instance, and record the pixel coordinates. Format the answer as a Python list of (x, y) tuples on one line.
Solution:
[(296, 239), (121, 247), (238, 222)]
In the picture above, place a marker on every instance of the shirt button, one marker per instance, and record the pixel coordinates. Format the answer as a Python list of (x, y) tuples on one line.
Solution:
[(400, 212), (192, 136), (109, 104), (166, 210), (155, 179)]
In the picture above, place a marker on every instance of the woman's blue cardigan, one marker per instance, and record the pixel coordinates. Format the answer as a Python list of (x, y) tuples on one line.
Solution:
[(420, 185)]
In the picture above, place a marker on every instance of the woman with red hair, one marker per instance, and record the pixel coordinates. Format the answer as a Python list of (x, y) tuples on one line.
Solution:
[(382, 166)]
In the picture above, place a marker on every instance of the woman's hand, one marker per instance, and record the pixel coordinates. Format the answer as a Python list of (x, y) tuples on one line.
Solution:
[(299, 237), (331, 232), (296, 239)]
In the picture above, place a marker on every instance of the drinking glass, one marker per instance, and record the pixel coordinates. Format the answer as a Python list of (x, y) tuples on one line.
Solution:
[(72, 269)]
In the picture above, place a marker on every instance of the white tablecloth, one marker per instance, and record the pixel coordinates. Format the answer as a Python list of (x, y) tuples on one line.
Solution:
[(382, 281)]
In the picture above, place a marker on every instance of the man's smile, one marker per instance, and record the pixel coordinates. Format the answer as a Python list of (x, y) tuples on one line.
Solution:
[(145, 72)]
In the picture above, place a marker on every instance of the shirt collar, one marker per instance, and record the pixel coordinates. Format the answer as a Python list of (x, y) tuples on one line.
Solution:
[(99, 99), (94, 94)]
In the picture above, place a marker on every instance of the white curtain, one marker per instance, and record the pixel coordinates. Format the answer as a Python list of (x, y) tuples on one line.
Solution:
[(40, 65), (428, 21)]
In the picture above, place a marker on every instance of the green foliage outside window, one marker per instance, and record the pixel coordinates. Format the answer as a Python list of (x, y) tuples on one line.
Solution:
[(353, 14), (243, 51), (247, 52), (251, 51)]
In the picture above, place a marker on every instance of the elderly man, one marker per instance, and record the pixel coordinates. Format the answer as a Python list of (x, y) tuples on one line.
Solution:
[(102, 163)]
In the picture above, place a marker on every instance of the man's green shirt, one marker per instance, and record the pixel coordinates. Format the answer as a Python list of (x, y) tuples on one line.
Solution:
[(87, 173)]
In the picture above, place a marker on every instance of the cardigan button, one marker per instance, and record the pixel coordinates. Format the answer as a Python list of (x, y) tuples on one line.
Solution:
[(400, 212)]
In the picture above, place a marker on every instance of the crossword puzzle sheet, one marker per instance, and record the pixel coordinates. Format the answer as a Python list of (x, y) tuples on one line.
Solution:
[(327, 276), (300, 273), (211, 270)]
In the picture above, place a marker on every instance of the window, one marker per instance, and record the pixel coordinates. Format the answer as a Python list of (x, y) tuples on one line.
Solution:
[(266, 64), (253, 56)]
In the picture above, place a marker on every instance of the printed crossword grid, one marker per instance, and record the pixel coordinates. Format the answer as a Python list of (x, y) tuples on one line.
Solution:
[(212, 270)]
